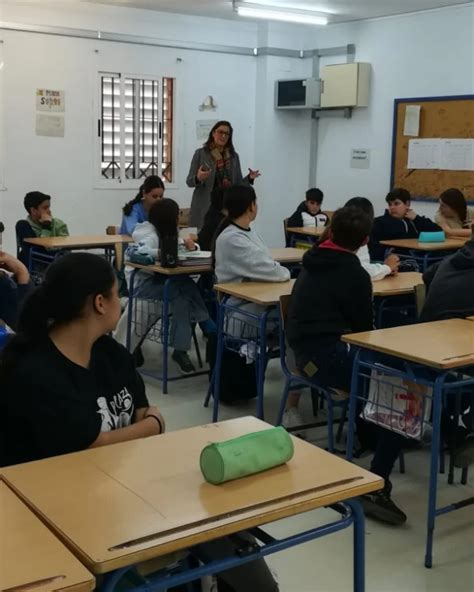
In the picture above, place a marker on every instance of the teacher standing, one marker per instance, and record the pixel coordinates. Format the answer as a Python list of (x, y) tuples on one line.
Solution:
[(214, 166)]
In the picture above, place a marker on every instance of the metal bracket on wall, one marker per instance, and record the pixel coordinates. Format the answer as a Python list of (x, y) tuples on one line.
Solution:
[(324, 113)]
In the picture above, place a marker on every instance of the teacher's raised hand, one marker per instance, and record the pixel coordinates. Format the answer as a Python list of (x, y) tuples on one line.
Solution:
[(254, 174)]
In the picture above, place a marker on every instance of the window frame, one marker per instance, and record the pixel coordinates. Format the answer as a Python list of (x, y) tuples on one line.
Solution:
[(99, 182)]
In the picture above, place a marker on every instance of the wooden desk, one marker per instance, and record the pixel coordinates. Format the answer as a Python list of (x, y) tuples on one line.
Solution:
[(265, 293), (122, 504), (287, 255), (87, 241), (402, 283), (441, 344), (315, 231), (413, 243), (470, 318), (31, 557)]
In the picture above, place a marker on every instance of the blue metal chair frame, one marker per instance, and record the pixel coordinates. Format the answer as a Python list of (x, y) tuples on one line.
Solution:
[(351, 515), (164, 378), (363, 365)]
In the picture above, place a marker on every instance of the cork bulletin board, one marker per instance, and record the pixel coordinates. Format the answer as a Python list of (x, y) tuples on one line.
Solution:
[(440, 117)]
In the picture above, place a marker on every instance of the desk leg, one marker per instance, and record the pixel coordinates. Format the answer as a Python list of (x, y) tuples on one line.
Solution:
[(118, 256), (359, 544), (166, 331), (262, 363), (437, 400), (353, 405), (216, 375)]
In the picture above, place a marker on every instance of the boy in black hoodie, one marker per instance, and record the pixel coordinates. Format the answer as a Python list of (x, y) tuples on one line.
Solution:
[(450, 294), (308, 213), (399, 221), (333, 296)]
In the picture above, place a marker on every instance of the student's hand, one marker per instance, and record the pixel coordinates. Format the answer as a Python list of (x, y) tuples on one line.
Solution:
[(203, 173), (393, 261), (155, 412), (9, 263), (254, 174), (411, 215), (189, 244), (46, 218)]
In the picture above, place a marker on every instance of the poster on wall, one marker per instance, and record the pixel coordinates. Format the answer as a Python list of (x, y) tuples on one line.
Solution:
[(49, 125), (203, 127), (50, 100)]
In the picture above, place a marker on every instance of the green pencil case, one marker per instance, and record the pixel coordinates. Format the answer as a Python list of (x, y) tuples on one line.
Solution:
[(432, 237), (246, 455)]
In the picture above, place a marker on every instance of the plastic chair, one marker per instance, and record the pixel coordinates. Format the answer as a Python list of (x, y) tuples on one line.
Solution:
[(333, 397)]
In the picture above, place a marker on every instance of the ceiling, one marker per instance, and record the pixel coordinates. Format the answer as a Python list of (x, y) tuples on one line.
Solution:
[(339, 10)]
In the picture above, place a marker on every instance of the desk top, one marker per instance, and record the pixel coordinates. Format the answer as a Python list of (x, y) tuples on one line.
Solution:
[(449, 244), (284, 255), (440, 344), (470, 318), (31, 557), (393, 285), (265, 293), (133, 501), (307, 230), (77, 242)]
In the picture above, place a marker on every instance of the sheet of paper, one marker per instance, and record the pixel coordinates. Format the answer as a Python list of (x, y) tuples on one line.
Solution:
[(49, 125), (458, 155), (203, 127), (424, 154), (412, 120)]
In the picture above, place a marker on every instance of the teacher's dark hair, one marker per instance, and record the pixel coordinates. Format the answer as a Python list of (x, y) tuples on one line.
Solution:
[(150, 183), (229, 144), (69, 284)]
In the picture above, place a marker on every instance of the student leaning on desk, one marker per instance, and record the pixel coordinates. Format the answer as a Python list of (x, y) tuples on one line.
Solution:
[(65, 385)]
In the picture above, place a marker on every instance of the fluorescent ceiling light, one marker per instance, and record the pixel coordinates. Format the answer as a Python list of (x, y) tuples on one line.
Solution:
[(305, 17)]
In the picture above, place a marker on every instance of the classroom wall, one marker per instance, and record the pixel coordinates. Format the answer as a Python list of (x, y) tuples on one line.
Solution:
[(66, 167), (423, 54)]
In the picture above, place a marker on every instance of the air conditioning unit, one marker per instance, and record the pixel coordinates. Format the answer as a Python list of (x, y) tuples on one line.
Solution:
[(298, 94)]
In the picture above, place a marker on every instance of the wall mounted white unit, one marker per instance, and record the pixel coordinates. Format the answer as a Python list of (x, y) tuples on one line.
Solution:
[(345, 85), (297, 94)]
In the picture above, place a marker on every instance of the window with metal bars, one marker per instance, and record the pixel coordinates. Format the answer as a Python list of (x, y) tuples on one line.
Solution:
[(136, 127)]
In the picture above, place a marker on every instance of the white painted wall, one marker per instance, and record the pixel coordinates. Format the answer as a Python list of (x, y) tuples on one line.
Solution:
[(422, 54)]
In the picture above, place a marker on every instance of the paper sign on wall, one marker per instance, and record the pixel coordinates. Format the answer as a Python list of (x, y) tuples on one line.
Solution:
[(50, 100), (424, 154), (412, 120), (458, 155), (448, 154), (49, 125), (203, 127), (360, 158)]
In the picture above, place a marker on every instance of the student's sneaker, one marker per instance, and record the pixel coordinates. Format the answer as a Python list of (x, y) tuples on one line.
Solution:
[(464, 455), (379, 505), (291, 419), (183, 361)]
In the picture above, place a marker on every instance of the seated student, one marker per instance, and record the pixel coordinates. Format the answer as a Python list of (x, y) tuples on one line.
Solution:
[(399, 221), (39, 223), (453, 214), (66, 386), (308, 213), (214, 216), (450, 294), (333, 296), (186, 301), (240, 254), (136, 211)]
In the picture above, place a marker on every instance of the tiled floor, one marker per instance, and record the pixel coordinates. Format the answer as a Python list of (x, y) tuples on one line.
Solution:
[(394, 556)]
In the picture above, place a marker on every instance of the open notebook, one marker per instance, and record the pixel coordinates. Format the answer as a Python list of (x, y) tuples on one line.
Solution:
[(195, 258)]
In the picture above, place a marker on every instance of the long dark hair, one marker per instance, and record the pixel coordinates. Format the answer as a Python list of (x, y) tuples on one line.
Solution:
[(164, 216), (210, 140), (237, 200), (68, 284), (150, 183), (454, 198)]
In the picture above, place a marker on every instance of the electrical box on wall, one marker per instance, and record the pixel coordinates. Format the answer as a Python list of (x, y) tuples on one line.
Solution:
[(297, 94), (345, 85)]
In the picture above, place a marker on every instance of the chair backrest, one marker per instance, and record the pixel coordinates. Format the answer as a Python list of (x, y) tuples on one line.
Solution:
[(183, 220), (329, 214), (112, 230), (420, 297), (285, 230), (287, 357), (284, 304)]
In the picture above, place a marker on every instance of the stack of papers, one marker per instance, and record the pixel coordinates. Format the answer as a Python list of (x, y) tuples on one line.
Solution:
[(195, 258)]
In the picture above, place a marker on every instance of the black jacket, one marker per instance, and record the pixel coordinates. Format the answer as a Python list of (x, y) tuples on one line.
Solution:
[(450, 287), (211, 223), (11, 296), (332, 296), (387, 227), (296, 219)]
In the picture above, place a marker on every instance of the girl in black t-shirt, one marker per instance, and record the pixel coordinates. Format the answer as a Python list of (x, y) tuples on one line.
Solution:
[(64, 384)]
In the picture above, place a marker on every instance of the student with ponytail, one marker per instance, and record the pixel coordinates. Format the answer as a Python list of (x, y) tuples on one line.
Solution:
[(65, 385), (136, 211)]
